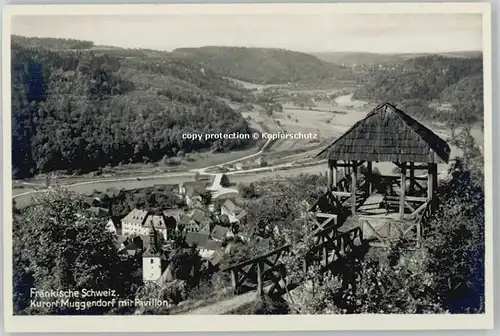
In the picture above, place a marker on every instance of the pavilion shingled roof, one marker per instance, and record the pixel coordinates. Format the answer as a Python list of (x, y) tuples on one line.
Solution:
[(388, 134)]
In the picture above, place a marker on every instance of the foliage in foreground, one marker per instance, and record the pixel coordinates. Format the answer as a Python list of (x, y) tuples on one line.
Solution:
[(446, 275), (58, 245)]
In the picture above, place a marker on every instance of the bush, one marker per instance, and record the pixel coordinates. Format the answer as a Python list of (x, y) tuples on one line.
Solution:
[(225, 181), (247, 191), (175, 291)]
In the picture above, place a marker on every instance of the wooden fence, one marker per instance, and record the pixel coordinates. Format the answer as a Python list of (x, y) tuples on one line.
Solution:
[(269, 272)]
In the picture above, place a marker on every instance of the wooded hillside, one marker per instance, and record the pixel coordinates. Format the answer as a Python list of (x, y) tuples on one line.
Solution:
[(457, 82), (265, 65), (76, 110)]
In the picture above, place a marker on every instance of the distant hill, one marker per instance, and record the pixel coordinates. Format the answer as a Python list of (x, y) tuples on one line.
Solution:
[(79, 110), (264, 65), (358, 58), (422, 80), (366, 58), (52, 42)]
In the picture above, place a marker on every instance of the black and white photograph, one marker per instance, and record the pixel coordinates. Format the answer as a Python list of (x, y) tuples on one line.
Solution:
[(236, 160)]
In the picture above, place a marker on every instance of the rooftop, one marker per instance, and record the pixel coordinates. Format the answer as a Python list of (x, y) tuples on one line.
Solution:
[(388, 134), (230, 206), (175, 213), (136, 216), (195, 238), (155, 221), (197, 215), (219, 232)]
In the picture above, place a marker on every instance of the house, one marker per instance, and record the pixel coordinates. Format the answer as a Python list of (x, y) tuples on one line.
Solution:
[(206, 224), (135, 242), (183, 221), (141, 222), (228, 208), (220, 232), (172, 218), (158, 223), (196, 238), (129, 248), (232, 211), (197, 215), (216, 257), (198, 203), (114, 226), (121, 242), (193, 190), (202, 219), (133, 223), (112, 192), (193, 185), (192, 226), (193, 196), (206, 246)]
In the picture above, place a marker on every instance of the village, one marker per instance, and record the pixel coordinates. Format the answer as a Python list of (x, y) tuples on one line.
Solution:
[(208, 221)]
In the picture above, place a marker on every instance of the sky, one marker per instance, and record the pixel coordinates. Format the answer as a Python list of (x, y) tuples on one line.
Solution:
[(378, 33)]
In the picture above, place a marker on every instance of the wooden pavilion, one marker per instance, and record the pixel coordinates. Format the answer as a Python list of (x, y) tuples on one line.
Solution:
[(394, 204)]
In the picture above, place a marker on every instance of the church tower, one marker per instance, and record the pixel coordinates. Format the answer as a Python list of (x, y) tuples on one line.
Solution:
[(151, 260)]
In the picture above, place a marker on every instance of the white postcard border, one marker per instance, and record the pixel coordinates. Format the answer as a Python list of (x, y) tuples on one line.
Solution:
[(248, 322)]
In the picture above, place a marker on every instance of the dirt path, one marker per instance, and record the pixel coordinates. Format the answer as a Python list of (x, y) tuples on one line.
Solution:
[(226, 306)]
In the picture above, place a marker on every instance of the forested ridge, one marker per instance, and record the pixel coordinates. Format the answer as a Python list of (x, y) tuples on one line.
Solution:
[(78, 110), (53, 42), (419, 81), (265, 65)]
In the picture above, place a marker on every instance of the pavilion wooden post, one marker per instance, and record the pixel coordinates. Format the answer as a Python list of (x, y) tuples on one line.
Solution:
[(369, 177), (412, 178), (329, 175), (234, 282), (431, 183), (334, 177), (430, 189), (353, 188), (402, 191), (260, 286)]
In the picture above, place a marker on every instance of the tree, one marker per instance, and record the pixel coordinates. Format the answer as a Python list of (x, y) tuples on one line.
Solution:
[(185, 264), (63, 247), (224, 181), (281, 203), (206, 197), (78, 112), (247, 191), (456, 242)]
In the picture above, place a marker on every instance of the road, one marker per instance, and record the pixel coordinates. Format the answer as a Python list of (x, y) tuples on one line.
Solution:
[(203, 170), (129, 183)]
